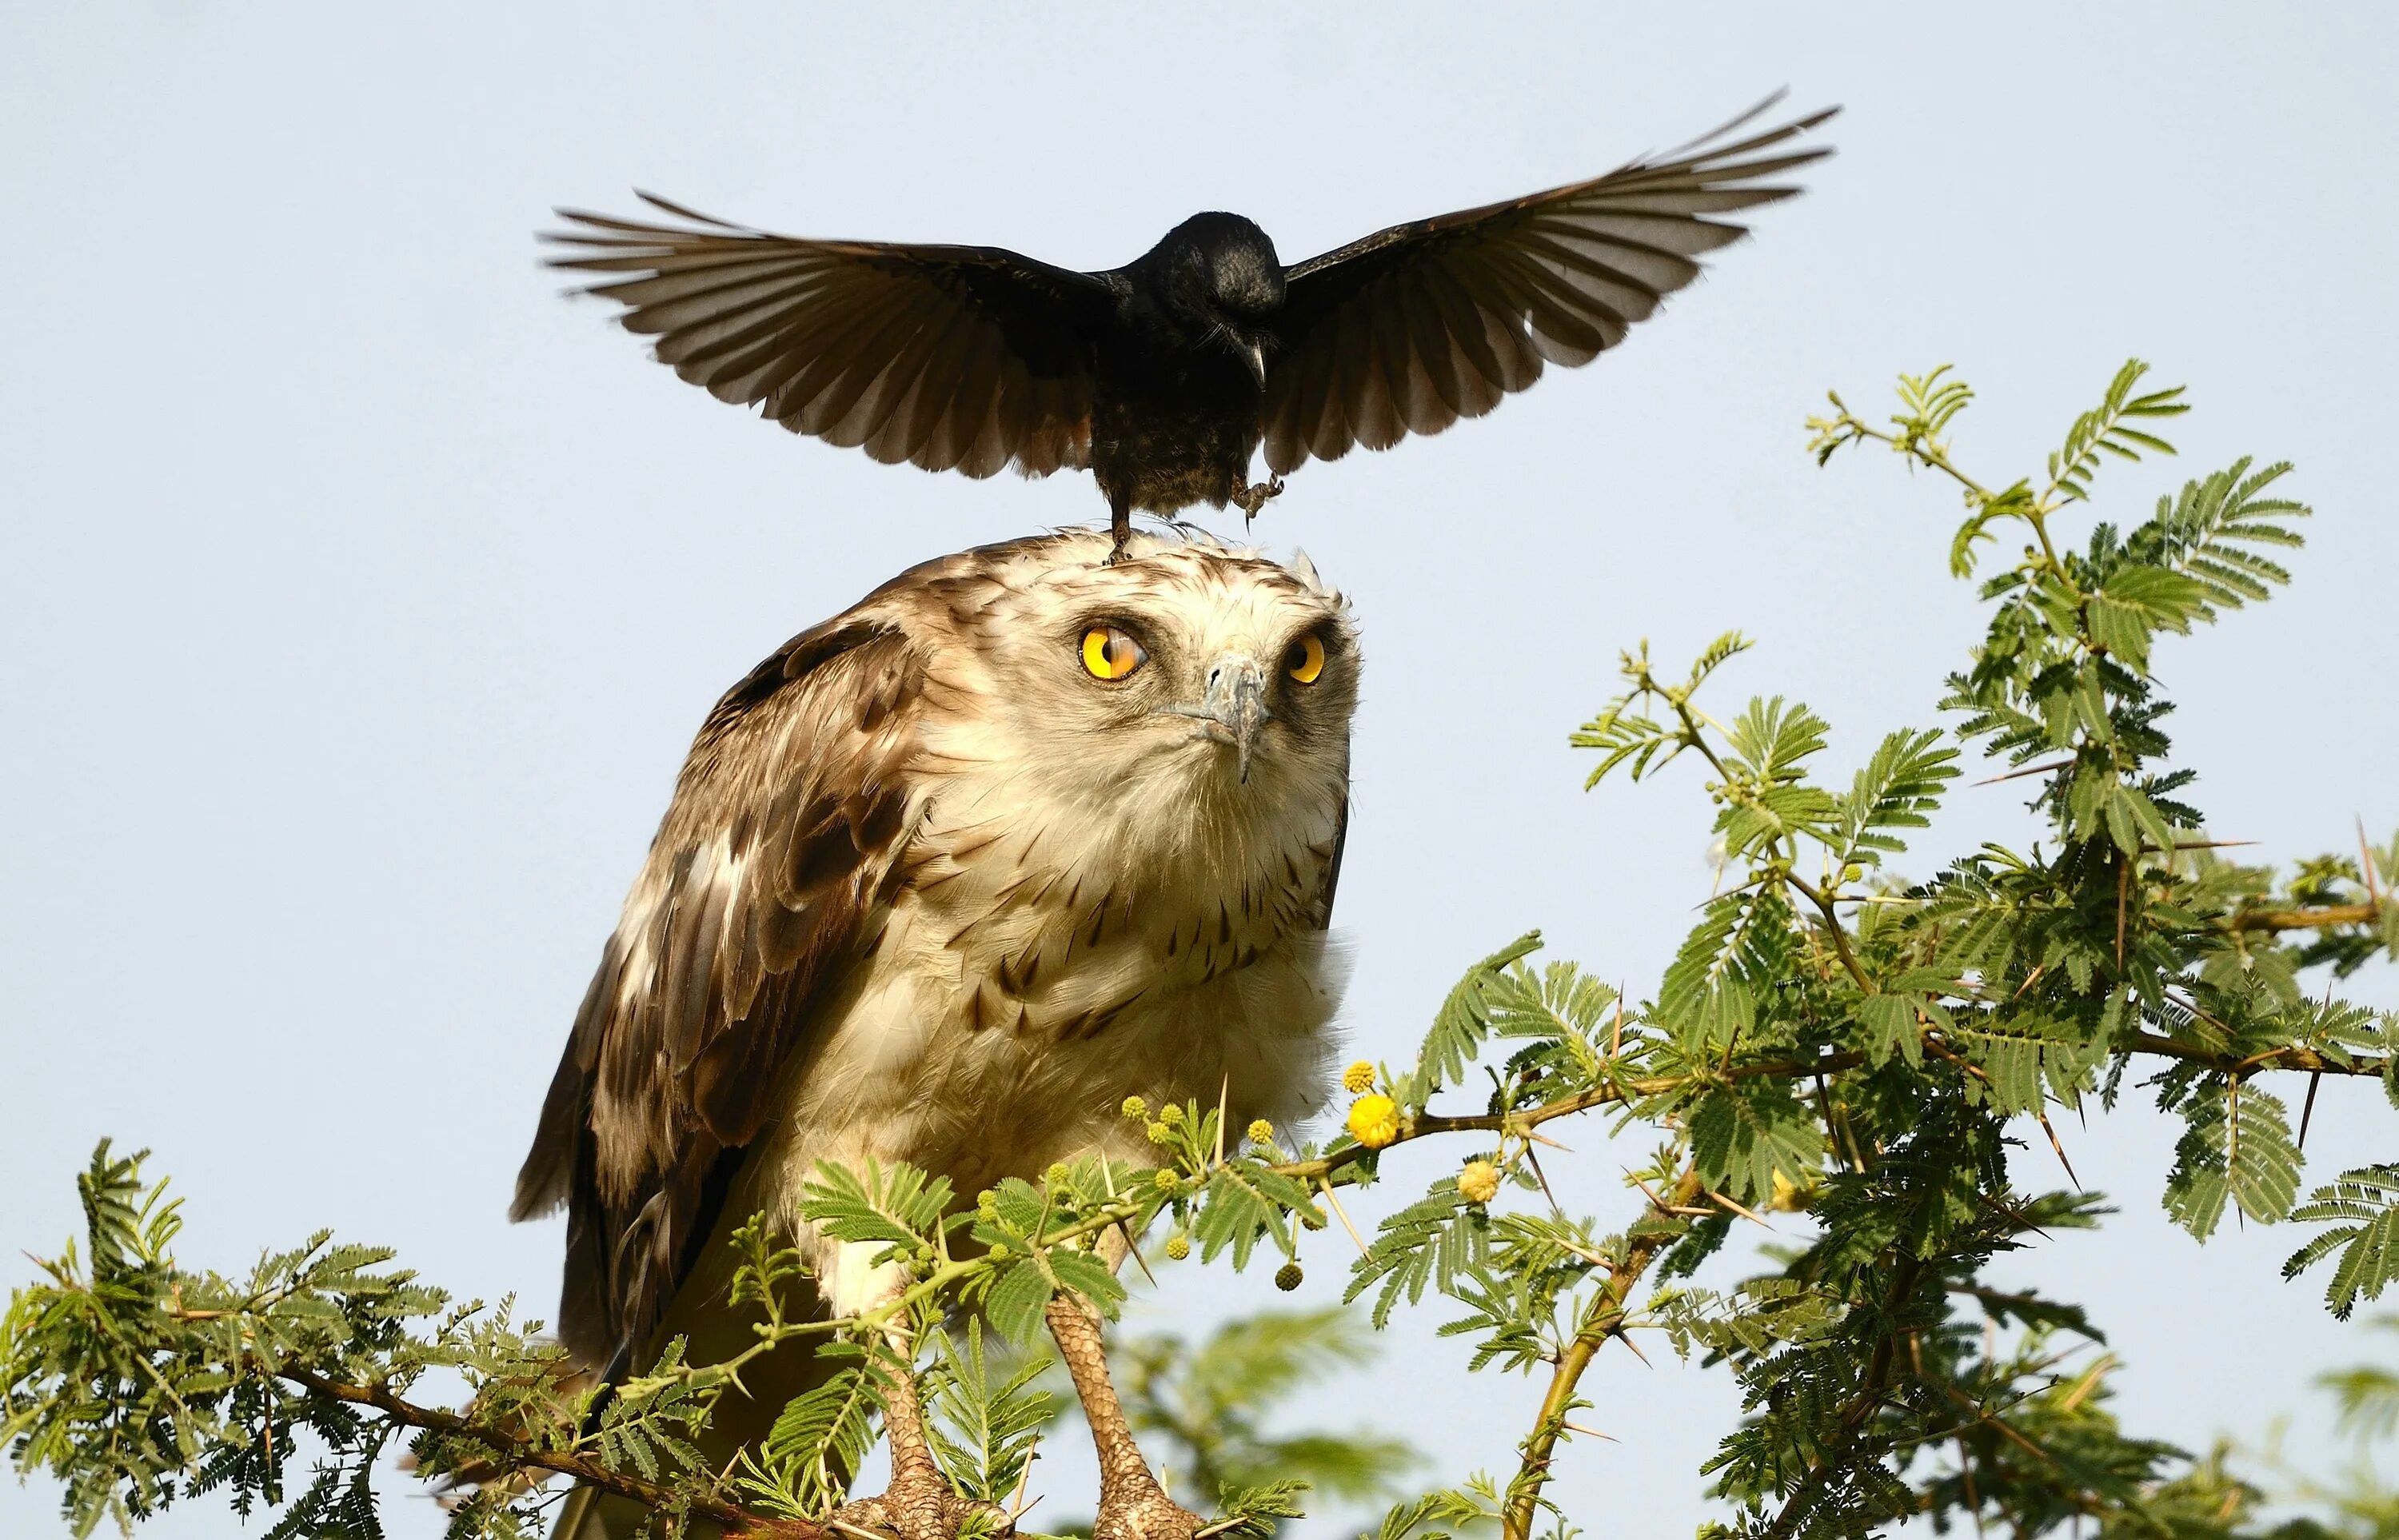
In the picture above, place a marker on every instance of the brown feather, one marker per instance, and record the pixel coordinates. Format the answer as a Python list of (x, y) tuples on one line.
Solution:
[(667, 1070), (949, 356), (1558, 276)]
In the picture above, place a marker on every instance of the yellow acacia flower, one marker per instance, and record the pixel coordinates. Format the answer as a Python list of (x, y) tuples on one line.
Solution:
[(1167, 1181), (1287, 1277), (1478, 1183), (1358, 1077), (1171, 1114), (1375, 1120), (1178, 1246), (1134, 1108), (1261, 1132)]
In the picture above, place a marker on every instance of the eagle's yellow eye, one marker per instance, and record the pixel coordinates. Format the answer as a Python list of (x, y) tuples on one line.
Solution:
[(1109, 653), (1304, 659)]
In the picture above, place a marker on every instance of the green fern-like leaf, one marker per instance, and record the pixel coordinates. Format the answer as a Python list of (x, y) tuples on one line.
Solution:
[(2106, 429), (1464, 1021), (1899, 788), (1709, 994), (2363, 1209), (2236, 1146), (1430, 1242), (896, 1203), (982, 1433), (1723, 650), (2136, 602), (2209, 533), (1438, 1515), (1929, 403), (803, 1468), (1252, 1513), (1243, 1204), (1744, 1133), (1770, 738)]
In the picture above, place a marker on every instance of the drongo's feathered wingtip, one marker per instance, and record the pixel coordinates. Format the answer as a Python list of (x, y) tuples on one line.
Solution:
[(1166, 376)]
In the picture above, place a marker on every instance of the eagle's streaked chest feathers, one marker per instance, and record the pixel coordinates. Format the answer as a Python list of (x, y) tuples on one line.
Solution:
[(1026, 831), (1091, 901), (1032, 976)]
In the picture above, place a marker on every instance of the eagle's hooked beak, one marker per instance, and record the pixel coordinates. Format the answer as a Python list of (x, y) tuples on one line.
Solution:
[(1234, 709)]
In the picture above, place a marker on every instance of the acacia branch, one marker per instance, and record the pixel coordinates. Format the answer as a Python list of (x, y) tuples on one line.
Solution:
[(1604, 1317), (1426, 1125), (1824, 902), (2292, 1058), (2304, 919), (522, 1453)]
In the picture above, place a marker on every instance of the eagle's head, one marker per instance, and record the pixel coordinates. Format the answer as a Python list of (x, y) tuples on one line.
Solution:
[(1194, 698)]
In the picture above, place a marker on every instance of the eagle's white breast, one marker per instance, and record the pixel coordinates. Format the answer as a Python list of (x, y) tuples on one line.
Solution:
[(1079, 923)]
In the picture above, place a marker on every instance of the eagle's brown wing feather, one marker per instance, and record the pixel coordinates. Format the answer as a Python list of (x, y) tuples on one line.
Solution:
[(1332, 883), (1418, 325), (951, 357), (769, 878)]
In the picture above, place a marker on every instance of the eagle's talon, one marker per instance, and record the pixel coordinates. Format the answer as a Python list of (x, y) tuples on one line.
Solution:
[(919, 1503), (1145, 1516), (914, 1508)]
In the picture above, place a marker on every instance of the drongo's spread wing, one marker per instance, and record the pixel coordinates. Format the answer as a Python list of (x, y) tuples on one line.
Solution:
[(953, 357), (1417, 325)]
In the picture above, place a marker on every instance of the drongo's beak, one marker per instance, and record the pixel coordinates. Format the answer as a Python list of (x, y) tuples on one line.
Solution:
[(1257, 355), (1234, 709)]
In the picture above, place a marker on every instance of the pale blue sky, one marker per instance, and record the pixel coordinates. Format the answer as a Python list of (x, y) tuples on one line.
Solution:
[(360, 597)]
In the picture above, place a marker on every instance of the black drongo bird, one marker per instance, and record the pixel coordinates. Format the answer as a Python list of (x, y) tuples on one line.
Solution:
[(1162, 376)]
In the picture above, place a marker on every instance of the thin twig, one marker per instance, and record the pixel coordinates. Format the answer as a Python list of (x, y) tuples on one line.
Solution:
[(736, 1518), (1602, 1320), (2027, 770), (1431, 1124), (2304, 919), (2123, 893)]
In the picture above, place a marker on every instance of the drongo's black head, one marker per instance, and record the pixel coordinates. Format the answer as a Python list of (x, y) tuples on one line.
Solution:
[(1218, 276), (1224, 262)]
